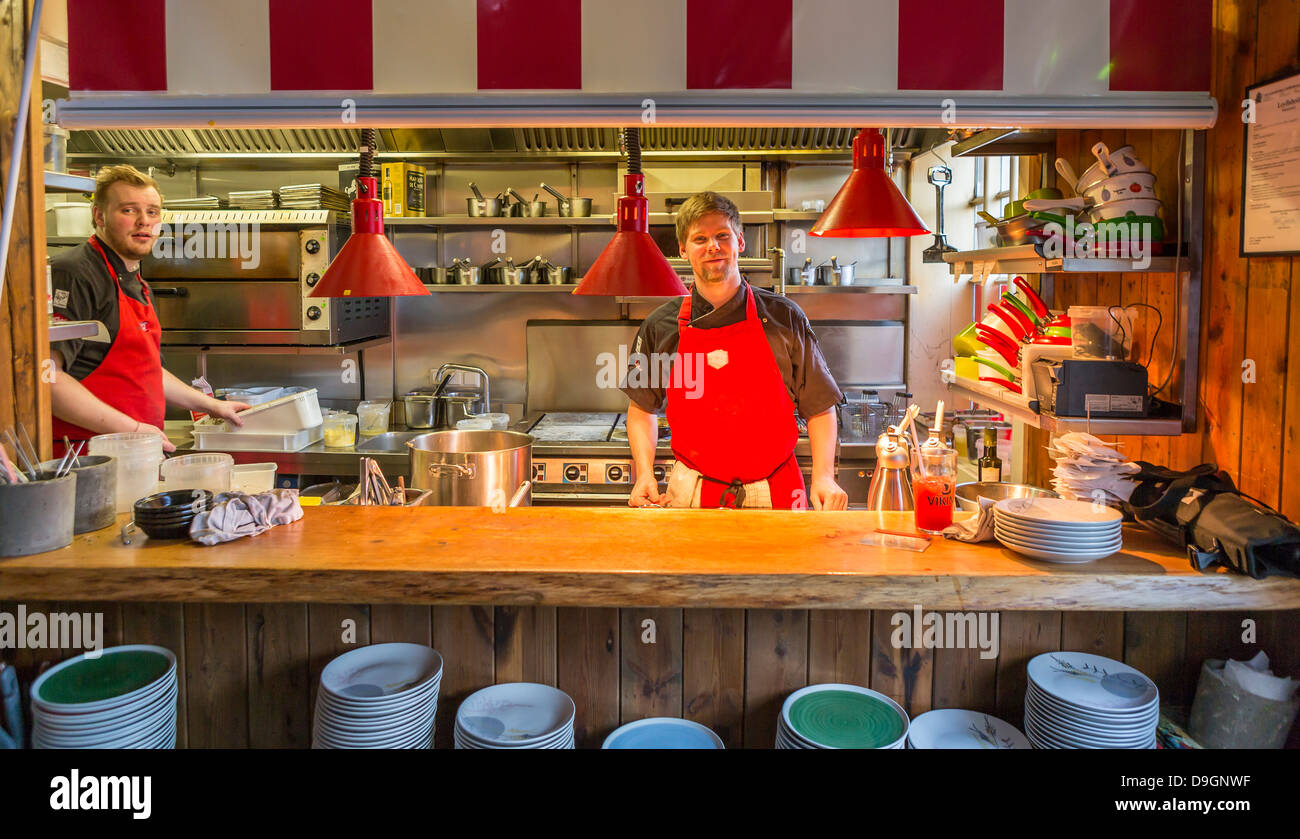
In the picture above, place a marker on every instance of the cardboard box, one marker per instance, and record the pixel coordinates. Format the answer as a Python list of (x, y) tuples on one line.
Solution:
[(403, 189)]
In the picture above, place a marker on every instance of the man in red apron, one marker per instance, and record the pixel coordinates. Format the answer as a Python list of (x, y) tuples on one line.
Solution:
[(742, 362), (121, 386)]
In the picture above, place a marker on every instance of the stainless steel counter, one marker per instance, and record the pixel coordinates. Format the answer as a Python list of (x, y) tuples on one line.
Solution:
[(390, 451)]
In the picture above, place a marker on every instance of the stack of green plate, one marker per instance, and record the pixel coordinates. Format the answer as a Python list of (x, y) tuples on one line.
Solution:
[(121, 698), (836, 716)]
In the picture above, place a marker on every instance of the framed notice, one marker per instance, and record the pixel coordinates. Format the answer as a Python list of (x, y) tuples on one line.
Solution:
[(1270, 181)]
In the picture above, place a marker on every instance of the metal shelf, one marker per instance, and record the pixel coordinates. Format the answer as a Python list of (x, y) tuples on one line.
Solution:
[(497, 288), (500, 221), (865, 288), (797, 215), (70, 330), (65, 240), (1025, 259), (63, 182), (283, 349), (992, 396)]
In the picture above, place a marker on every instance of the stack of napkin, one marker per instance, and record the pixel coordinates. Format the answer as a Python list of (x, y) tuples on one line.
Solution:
[(1088, 469)]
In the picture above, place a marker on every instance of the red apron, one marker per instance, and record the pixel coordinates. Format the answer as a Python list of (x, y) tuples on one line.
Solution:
[(130, 376), (740, 428)]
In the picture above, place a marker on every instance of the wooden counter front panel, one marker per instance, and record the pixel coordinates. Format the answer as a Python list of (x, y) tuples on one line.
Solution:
[(248, 672)]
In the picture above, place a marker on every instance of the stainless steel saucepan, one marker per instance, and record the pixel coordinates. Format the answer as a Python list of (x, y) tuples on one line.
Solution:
[(571, 207)]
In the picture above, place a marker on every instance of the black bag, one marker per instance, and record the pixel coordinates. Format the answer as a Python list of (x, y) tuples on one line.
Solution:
[(1202, 511)]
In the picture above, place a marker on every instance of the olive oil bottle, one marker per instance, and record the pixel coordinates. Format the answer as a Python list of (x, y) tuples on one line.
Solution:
[(990, 464)]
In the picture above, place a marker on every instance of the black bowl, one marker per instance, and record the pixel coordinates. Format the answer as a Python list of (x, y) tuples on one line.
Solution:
[(153, 531), (176, 499)]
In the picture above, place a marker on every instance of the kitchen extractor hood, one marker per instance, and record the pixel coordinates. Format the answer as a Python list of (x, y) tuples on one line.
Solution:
[(214, 143)]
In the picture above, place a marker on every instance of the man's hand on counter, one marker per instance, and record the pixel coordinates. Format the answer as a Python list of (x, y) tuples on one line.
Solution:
[(645, 493), (825, 494)]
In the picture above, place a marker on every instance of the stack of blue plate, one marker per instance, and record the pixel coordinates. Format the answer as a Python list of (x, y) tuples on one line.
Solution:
[(663, 733)]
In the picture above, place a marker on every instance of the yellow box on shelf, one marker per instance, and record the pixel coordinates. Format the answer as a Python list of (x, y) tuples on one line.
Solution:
[(403, 189)]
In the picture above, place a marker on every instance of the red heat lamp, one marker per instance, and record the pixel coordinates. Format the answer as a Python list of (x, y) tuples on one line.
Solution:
[(632, 265), (368, 265), (869, 204)]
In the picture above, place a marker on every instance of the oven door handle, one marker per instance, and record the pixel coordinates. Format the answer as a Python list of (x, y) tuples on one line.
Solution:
[(170, 292)]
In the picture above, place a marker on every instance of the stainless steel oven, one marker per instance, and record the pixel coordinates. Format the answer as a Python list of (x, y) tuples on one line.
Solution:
[(226, 277)]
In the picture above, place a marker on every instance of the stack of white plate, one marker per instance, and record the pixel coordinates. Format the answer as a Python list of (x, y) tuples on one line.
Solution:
[(1085, 701), (516, 715), (123, 698), (383, 696), (953, 728), (1057, 529), (835, 716)]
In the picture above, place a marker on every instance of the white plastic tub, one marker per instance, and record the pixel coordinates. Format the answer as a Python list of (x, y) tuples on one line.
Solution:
[(286, 415), (72, 218), (215, 438), (253, 477)]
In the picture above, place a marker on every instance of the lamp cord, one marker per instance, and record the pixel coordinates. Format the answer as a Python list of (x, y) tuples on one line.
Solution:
[(367, 153), (632, 142)]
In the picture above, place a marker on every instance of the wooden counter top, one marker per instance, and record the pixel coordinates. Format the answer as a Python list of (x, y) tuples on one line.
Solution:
[(621, 557)]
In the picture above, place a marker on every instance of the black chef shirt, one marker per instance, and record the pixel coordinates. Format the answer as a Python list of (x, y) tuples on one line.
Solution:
[(794, 346), (83, 290)]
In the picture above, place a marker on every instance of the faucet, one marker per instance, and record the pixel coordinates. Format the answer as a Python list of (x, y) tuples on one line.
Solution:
[(778, 268), (444, 372)]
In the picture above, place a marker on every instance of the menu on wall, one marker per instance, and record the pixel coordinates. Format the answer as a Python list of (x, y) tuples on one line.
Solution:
[(1270, 205)]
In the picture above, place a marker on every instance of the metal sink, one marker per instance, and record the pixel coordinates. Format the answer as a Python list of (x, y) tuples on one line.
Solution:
[(393, 441)]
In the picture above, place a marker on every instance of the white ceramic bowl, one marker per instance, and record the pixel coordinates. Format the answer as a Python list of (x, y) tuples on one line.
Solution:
[(1145, 207), (1123, 188)]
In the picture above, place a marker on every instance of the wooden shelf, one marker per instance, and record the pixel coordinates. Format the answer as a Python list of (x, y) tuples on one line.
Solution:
[(1016, 407)]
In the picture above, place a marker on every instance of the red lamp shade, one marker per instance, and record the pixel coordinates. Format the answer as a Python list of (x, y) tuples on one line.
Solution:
[(869, 204), (631, 264), (368, 265)]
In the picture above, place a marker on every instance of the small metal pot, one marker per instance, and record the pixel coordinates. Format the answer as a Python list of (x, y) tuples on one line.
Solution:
[(536, 209), (549, 274), (517, 274), (483, 207), (424, 410), (492, 273), (571, 207), (461, 273)]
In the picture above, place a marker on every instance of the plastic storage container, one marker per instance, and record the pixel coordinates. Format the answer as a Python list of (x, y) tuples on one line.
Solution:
[(372, 416), (198, 471), (215, 437), (138, 454), (72, 218), (340, 430), (286, 415), (253, 477), (1094, 333)]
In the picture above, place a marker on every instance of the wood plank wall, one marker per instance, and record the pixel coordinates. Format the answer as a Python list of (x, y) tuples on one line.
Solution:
[(1250, 429), (24, 397), (1249, 308), (249, 672)]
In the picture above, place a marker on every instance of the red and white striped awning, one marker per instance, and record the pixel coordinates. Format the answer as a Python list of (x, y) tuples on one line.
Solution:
[(429, 54)]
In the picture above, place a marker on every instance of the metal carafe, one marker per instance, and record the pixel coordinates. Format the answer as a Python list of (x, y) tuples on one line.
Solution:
[(891, 482)]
